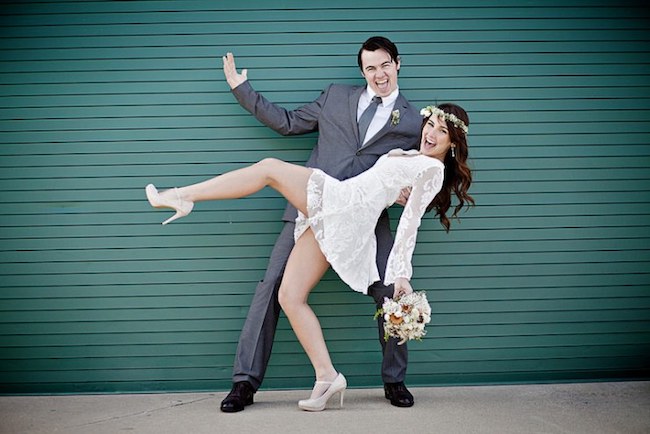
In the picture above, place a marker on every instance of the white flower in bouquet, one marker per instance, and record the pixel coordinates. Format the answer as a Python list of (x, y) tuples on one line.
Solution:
[(405, 317)]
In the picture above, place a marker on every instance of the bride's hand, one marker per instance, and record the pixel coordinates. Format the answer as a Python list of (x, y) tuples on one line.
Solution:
[(402, 287)]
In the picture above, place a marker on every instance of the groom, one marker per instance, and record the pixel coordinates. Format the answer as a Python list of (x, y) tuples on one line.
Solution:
[(356, 125)]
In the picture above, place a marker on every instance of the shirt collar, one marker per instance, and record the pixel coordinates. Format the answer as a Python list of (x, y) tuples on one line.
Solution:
[(386, 100)]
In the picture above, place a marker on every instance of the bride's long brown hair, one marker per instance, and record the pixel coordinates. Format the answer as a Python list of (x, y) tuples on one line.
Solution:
[(458, 176)]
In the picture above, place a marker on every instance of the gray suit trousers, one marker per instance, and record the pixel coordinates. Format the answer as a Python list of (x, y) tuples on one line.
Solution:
[(256, 339)]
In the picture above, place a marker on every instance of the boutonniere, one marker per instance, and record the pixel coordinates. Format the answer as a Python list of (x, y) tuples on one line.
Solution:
[(394, 117)]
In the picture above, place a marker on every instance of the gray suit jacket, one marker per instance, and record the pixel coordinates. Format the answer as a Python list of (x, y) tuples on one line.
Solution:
[(333, 114)]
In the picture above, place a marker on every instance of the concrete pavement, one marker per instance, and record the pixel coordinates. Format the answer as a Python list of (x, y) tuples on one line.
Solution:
[(616, 407)]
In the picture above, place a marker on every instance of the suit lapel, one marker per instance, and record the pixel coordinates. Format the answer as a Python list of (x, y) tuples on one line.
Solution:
[(353, 103)]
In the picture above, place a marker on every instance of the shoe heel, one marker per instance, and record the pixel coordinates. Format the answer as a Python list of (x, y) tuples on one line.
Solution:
[(178, 215), (342, 395)]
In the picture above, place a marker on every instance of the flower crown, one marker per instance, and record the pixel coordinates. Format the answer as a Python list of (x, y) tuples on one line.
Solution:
[(430, 110)]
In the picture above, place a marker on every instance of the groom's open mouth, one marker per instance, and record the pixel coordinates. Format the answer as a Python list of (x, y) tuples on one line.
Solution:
[(382, 85)]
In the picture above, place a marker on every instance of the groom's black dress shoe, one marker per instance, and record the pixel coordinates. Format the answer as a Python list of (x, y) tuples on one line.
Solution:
[(239, 397), (398, 394)]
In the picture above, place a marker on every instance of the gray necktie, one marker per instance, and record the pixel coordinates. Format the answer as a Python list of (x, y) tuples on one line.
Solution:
[(366, 117)]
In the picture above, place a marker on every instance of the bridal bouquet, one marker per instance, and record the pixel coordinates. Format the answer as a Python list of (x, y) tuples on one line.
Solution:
[(405, 317)]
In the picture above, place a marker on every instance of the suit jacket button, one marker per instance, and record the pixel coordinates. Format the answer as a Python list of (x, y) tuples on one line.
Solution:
[(358, 152)]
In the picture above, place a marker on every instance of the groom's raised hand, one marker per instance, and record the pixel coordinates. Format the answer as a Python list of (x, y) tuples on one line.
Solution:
[(233, 78)]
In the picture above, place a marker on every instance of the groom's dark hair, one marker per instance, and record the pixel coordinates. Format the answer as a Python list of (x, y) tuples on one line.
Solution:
[(378, 43)]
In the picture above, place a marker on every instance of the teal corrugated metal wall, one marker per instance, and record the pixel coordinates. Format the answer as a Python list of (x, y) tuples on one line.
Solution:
[(547, 279)]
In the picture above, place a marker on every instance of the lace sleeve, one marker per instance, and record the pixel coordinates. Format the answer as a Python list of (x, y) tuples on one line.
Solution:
[(425, 187)]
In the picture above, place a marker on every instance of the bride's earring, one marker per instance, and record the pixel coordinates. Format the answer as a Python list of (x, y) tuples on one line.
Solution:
[(453, 152)]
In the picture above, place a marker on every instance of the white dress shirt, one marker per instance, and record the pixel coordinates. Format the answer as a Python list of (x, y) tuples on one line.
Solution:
[(383, 110)]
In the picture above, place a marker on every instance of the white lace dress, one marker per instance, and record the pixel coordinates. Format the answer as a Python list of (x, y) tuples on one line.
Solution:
[(343, 215)]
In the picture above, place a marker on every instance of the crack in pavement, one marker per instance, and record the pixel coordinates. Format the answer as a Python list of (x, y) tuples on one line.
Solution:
[(140, 413)]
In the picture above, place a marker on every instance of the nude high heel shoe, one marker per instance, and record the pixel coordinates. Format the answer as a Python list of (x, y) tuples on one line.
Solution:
[(182, 207), (318, 404)]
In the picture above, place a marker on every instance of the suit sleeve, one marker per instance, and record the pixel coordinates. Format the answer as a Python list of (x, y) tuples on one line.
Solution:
[(302, 120), (425, 187)]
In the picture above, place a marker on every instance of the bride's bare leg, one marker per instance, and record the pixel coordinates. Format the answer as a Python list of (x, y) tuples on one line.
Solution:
[(305, 267), (288, 179)]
